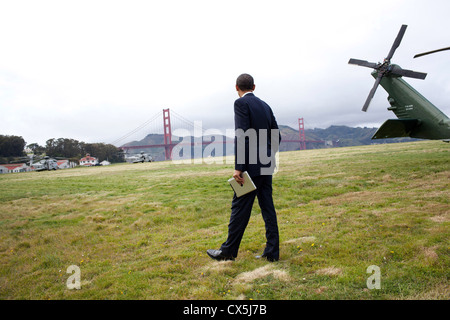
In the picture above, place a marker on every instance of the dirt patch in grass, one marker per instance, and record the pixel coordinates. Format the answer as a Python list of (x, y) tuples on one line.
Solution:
[(440, 291), (430, 253), (261, 272), (300, 240), (219, 266), (330, 271), (443, 218)]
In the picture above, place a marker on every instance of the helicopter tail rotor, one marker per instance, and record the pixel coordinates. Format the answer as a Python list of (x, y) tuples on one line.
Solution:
[(386, 67)]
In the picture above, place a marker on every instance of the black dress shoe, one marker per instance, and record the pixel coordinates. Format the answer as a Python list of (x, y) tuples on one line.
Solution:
[(217, 255)]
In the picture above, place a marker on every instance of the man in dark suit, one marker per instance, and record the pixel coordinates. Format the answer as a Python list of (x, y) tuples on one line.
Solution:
[(256, 142)]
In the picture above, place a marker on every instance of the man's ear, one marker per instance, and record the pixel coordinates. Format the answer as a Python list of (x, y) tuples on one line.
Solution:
[(253, 88), (239, 91)]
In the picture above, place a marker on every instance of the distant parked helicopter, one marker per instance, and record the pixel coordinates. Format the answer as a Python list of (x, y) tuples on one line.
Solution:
[(45, 164), (142, 157), (41, 163), (417, 117)]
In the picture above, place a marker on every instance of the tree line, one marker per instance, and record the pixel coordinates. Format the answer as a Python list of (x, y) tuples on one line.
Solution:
[(13, 146)]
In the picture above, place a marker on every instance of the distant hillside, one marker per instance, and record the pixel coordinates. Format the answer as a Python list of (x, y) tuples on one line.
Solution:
[(333, 136), (343, 136)]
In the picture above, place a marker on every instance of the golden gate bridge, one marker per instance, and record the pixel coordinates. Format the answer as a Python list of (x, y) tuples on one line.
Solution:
[(154, 125)]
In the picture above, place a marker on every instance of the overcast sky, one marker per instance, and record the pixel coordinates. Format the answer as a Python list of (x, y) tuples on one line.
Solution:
[(96, 70)]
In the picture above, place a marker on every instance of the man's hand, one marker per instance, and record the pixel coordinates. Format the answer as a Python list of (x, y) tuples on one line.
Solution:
[(238, 177)]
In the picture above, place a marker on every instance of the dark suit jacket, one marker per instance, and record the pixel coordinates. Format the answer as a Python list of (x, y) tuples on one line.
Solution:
[(250, 112)]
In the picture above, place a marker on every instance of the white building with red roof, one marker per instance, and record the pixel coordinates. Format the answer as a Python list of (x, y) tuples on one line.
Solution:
[(66, 164), (88, 160), (14, 167)]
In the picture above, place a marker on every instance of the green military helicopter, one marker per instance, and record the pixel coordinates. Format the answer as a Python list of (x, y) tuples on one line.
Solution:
[(417, 117)]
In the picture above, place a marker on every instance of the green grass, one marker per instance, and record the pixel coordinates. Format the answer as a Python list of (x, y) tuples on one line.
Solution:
[(140, 231)]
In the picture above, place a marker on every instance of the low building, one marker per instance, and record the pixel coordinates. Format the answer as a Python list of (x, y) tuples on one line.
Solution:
[(66, 164), (88, 161), (14, 168)]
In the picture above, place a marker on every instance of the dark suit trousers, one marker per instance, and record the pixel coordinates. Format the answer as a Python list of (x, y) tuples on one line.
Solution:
[(241, 209)]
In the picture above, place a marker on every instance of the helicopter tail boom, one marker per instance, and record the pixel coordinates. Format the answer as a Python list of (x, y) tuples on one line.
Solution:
[(408, 104)]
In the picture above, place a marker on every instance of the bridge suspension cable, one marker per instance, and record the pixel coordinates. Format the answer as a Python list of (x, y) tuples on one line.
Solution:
[(142, 126), (187, 124)]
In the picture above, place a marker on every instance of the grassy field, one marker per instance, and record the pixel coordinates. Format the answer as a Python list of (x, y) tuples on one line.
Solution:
[(140, 231)]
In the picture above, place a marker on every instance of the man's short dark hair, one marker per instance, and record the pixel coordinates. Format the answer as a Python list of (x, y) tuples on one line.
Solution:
[(245, 82)]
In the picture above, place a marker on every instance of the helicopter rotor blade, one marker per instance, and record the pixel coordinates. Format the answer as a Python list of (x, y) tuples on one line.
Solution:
[(363, 63), (20, 160), (409, 73), (372, 92), (397, 41), (430, 52)]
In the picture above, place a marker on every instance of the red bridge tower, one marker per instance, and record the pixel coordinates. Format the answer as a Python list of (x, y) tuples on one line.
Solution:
[(167, 134), (301, 132)]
